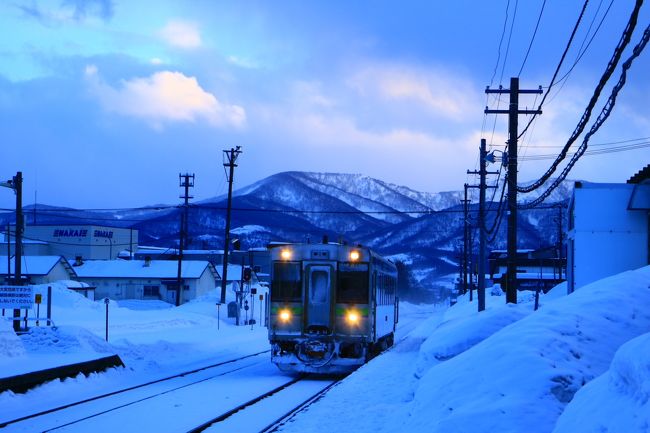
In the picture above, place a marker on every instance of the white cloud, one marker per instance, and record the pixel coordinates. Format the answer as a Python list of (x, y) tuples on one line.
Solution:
[(164, 97), (444, 93), (181, 34)]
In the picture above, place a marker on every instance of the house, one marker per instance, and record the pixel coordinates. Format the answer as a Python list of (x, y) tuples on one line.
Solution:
[(38, 269), (608, 229), (146, 279), (536, 269)]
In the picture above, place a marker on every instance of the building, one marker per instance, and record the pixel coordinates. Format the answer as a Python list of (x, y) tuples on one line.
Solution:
[(608, 229), (91, 242), (259, 259), (146, 279), (536, 269), (37, 269)]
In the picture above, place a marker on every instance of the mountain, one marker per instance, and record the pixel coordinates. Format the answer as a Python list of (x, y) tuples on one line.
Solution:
[(423, 229)]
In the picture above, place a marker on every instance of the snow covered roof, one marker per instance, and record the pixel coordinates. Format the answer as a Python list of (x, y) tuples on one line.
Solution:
[(165, 269), (33, 265)]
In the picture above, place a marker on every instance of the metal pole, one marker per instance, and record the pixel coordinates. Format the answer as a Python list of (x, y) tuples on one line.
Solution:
[(106, 302), (49, 305), (18, 187)]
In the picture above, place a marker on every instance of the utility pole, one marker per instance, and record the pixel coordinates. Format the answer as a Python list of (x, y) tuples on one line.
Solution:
[(513, 125), (185, 181), (465, 202), (481, 221), (231, 158), (16, 183), (560, 241)]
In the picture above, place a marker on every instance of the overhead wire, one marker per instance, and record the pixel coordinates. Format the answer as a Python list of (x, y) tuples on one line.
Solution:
[(558, 67), (604, 114), (539, 18), (609, 70)]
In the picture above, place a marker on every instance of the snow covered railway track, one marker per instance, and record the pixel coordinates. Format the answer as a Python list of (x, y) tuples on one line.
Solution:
[(271, 410), (96, 406)]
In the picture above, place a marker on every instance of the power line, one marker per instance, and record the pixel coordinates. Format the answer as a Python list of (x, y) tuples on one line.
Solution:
[(559, 65), (615, 149), (609, 70), (539, 18), (604, 114)]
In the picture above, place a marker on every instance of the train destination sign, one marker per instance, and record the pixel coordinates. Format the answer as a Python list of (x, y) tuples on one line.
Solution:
[(16, 296)]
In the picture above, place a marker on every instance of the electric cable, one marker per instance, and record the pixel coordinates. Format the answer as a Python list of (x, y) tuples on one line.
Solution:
[(604, 114), (609, 70)]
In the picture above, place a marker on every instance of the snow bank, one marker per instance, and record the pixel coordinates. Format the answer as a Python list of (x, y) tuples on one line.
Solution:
[(522, 377), (617, 401), (10, 345)]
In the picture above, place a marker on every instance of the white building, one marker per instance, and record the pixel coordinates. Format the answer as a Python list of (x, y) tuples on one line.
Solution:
[(608, 230), (146, 279), (92, 242), (38, 269)]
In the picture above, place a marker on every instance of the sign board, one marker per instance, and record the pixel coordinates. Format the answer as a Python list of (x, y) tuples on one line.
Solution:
[(16, 296)]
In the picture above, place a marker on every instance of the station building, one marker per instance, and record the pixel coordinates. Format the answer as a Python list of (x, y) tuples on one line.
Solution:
[(89, 241)]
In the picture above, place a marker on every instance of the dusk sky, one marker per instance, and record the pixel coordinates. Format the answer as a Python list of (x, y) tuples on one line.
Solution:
[(103, 103)]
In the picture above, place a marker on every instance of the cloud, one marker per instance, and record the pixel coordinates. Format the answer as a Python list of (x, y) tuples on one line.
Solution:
[(181, 34), (164, 97), (70, 11), (441, 92)]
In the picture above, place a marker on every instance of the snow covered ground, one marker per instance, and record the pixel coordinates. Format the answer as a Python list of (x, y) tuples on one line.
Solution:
[(578, 364)]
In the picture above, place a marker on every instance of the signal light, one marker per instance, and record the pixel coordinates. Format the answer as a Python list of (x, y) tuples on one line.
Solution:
[(247, 274)]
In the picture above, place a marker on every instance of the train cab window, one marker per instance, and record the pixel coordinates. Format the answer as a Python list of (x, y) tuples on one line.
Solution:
[(352, 285), (287, 282)]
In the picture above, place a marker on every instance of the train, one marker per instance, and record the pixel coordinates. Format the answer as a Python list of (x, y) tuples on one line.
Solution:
[(331, 308)]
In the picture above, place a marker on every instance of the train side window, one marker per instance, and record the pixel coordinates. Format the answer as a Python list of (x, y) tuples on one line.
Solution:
[(287, 282)]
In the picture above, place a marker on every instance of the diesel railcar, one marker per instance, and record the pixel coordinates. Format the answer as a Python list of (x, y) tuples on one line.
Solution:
[(332, 306)]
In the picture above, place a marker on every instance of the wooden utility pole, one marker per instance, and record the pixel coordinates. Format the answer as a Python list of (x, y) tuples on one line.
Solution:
[(481, 221), (231, 157), (513, 125), (465, 238), (185, 181)]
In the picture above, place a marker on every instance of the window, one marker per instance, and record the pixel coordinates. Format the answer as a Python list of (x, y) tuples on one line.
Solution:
[(151, 291), (352, 284), (319, 287), (287, 282)]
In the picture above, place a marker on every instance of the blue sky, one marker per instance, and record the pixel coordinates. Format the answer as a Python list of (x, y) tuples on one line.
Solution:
[(104, 102)]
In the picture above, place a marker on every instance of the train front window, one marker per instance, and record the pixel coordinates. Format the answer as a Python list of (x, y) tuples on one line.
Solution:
[(287, 284), (352, 284)]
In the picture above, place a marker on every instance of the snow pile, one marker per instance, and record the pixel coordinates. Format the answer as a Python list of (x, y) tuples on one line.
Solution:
[(522, 377), (617, 401), (10, 344)]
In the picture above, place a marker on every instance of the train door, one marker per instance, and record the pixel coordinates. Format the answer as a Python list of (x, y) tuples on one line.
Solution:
[(318, 294)]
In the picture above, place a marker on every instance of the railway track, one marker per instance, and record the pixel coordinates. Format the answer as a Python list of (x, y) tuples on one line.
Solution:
[(64, 416), (269, 411)]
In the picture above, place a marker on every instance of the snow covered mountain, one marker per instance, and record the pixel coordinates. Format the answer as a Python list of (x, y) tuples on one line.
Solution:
[(425, 229)]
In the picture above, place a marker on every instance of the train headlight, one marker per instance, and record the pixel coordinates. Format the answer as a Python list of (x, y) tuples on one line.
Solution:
[(352, 317), (285, 254), (285, 316), (354, 256)]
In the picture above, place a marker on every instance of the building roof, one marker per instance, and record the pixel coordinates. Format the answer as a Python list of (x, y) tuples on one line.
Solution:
[(163, 269), (641, 176), (34, 265)]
